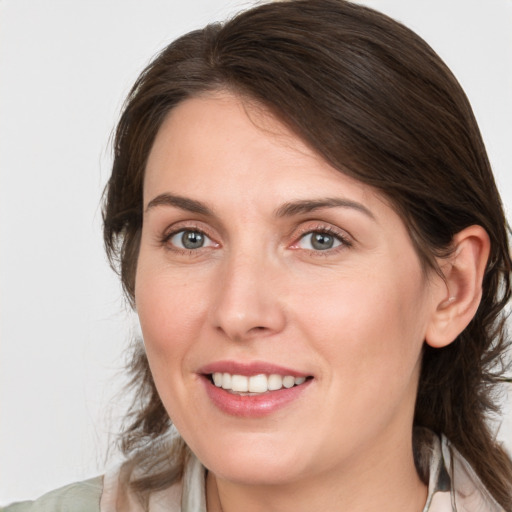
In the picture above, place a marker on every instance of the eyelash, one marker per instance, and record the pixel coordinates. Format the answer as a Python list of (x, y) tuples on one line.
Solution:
[(345, 242), (168, 236)]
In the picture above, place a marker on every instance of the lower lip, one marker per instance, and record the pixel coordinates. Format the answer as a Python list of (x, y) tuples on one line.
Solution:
[(253, 406)]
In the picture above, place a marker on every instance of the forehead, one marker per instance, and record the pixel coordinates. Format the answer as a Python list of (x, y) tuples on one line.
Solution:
[(220, 130), (222, 138)]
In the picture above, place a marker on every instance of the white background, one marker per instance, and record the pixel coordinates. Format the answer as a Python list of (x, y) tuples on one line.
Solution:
[(65, 67)]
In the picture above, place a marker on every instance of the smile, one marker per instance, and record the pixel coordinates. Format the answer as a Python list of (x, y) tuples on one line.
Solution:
[(253, 389), (255, 384)]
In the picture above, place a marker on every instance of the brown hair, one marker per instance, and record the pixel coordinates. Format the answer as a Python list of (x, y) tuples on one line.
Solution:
[(374, 100)]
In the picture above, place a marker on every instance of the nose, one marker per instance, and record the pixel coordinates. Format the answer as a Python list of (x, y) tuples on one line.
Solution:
[(248, 302)]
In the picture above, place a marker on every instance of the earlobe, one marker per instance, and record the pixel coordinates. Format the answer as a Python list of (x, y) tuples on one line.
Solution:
[(456, 303)]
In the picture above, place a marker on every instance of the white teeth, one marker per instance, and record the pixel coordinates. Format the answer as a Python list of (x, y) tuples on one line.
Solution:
[(275, 382), (256, 383), (217, 379), (239, 383), (288, 381), (226, 380)]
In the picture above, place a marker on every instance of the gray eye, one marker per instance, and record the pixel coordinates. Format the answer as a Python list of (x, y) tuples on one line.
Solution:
[(319, 241), (190, 239)]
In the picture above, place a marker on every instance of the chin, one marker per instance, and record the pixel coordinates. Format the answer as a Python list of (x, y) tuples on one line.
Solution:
[(256, 472), (254, 461)]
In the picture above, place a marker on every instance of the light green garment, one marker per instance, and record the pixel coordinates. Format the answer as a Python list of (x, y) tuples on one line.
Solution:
[(79, 497)]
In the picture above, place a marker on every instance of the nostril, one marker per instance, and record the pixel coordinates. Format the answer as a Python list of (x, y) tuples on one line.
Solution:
[(257, 329)]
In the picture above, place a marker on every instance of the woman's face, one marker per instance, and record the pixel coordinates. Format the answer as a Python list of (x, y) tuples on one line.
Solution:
[(262, 267)]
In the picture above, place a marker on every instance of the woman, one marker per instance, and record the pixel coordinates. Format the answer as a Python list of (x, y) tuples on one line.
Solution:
[(304, 217)]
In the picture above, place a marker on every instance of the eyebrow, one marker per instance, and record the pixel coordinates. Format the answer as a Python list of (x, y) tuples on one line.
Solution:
[(286, 210), (183, 203), (311, 205)]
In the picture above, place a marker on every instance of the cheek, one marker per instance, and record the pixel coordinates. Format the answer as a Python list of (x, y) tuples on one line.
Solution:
[(367, 325), (168, 309), (170, 322)]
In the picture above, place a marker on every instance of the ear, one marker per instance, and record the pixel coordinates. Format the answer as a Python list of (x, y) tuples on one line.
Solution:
[(456, 302)]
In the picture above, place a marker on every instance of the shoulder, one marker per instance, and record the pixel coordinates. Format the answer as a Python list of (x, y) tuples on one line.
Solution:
[(184, 493), (468, 491), (79, 497), (163, 492), (454, 484)]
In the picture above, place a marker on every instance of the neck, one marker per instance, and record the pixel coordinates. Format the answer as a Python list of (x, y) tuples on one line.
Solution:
[(379, 483)]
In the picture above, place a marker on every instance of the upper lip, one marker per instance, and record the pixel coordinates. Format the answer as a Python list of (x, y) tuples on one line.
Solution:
[(249, 368)]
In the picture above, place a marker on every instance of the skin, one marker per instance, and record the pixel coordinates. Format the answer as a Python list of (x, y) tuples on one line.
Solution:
[(354, 317)]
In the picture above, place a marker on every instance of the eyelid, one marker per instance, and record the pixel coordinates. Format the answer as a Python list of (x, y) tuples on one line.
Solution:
[(309, 227), (178, 227), (208, 241), (341, 235)]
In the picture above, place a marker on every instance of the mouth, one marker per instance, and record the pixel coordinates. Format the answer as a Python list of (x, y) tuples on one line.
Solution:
[(254, 385), (253, 390)]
